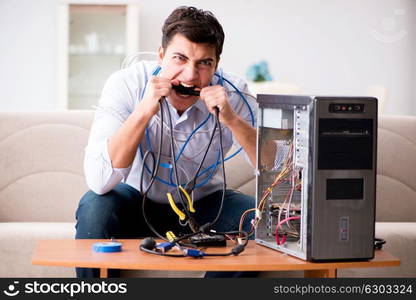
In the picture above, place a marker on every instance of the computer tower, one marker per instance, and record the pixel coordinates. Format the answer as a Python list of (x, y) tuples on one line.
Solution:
[(316, 176)]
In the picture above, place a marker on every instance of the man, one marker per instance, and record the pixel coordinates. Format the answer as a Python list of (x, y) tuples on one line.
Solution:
[(128, 122)]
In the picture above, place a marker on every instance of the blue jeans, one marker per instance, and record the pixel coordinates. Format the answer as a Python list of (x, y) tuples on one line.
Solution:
[(118, 214)]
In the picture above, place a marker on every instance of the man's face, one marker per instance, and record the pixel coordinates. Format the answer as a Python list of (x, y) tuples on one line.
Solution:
[(192, 64)]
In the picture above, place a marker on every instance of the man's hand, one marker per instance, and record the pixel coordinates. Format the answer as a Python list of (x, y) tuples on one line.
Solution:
[(157, 87), (122, 146), (216, 96)]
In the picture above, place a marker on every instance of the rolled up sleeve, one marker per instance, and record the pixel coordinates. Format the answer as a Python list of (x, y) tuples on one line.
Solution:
[(248, 115)]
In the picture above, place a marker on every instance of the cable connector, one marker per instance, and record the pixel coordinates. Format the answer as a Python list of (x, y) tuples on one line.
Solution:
[(204, 228), (170, 236), (217, 111), (165, 247), (241, 240), (237, 249), (190, 186), (195, 253)]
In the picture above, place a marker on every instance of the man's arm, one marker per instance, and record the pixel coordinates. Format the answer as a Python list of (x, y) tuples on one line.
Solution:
[(116, 133), (245, 135), (122, 146)]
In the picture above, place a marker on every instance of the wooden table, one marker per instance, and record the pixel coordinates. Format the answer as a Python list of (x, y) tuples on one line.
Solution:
[(78, 253)]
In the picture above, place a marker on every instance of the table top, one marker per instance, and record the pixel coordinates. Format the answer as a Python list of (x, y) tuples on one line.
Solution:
[(78, 253)]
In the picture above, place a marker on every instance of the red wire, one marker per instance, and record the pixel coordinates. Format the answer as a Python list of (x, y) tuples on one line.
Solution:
[(276, 234)]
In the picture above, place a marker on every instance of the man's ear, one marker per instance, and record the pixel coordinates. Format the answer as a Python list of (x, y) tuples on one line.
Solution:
[(160, 55)]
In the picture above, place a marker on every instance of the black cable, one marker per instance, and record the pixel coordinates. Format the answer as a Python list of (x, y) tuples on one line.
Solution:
[(236, 232), (151, 154), (154, 172), (151, 247), (155, 166), (185, 90), (191, 221), (224, 184), (378, 243), (191, 184), (161, 253), (235, 250)]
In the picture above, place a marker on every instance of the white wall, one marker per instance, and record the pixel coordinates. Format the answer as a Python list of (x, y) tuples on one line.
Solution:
[(336, 47), (413, 34), (27, 55)]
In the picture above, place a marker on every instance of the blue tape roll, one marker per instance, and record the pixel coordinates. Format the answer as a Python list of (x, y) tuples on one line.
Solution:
[(106, 247)]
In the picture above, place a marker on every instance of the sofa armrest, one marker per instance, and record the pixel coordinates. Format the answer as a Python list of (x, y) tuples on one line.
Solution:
[(401, 242)]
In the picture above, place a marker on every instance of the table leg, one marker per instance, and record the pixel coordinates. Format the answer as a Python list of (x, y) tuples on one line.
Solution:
[(327, 273), (103, 273)]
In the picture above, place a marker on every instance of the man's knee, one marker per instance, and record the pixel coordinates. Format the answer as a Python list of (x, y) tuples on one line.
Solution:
[(240, 201), (94, 205), (94, 214)]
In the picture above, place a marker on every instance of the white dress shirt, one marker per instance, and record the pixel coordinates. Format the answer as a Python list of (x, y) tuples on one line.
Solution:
[(121, 94)]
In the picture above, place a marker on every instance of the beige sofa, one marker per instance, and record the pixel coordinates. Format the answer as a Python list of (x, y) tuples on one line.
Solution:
[(42, 181)]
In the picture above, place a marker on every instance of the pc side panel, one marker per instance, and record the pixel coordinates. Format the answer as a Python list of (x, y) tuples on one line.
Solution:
[(342, 212), (316, 176), (311, 184)]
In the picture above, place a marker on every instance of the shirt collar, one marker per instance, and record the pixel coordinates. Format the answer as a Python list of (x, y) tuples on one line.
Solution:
[(198, 105)]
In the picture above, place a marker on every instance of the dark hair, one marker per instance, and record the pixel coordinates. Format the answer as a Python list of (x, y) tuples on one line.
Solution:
[(196, 25)]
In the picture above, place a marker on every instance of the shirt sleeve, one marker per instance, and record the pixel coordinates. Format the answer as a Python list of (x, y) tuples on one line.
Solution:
[(245, 105), (114, 108)]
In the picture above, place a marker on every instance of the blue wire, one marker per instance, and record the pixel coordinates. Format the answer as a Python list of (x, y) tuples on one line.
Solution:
[(210, 175), (218, 162), (154, 73), (192, 133), (148, 170), (243, 97), (214, 165), (221, 78)]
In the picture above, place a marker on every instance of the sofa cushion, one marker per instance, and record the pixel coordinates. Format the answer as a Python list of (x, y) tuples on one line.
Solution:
[(401, 243), (18, 244), (239, 172)]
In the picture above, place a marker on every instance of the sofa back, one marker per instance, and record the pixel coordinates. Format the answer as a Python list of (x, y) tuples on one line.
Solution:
[(41, 165), (396, 169)]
